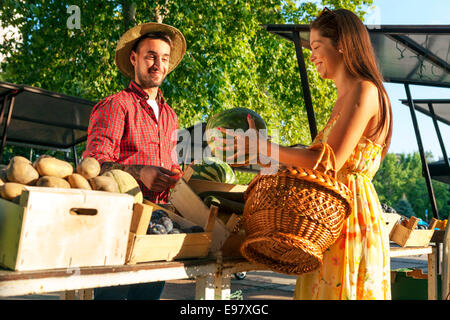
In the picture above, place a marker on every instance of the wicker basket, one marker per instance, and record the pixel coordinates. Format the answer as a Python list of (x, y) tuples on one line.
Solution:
[(293, 216)]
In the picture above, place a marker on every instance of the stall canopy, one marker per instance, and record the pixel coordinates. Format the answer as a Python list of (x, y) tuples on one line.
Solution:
[(410, 55), (440, 108), (43, 119), (417, 54)]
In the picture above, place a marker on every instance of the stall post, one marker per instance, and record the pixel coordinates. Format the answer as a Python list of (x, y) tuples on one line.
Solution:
[(438, 133), (305, 84), (422, 153), (8, 117)]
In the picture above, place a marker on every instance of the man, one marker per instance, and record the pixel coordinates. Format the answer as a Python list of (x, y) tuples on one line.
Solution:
[(135, 130)]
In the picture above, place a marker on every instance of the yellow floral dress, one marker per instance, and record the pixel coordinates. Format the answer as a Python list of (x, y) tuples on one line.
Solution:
[(357, 265)]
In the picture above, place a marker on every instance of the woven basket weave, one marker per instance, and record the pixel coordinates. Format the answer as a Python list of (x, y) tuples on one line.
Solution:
[(293, 216)]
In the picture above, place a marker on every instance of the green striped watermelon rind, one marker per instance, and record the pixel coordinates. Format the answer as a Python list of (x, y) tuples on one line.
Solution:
[(235, 118), (214, 169)]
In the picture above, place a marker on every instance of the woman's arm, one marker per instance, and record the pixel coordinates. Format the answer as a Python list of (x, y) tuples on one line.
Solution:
[(356, 111), (359, 107)]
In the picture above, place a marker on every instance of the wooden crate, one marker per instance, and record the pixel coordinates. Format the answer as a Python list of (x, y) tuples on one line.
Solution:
[(200, 186), (144, 247), (64, 228), (391, 220), (408, 236), (184, 197)]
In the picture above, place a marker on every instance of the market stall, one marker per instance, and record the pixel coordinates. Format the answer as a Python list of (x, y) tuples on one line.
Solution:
[(410, 55), (214, 252)]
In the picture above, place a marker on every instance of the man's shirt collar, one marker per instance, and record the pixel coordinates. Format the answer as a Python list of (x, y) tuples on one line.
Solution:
[(137, 89)]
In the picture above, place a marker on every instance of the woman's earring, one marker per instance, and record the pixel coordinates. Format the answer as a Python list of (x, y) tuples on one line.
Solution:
[(340, 51)]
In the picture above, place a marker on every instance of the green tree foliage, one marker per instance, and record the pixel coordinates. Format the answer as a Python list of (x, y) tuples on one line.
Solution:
[(404, 207), (402, 175), (231, 60)]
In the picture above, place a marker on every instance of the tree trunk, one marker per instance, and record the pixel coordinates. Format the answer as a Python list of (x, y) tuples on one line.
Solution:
[(128, 13)]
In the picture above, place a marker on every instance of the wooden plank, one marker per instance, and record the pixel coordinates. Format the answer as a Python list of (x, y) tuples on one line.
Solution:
[(432, 276), (191, 207), (170, 246), (222, 285), (410, 251), (86, 294), (173, 216), (187, 174), (59, 280), (200, 186), (141, 218), (209, 226), (391, 220), (67, 295), (432, 224), (412, 223), (400, 234), (130, 246), (204, 287)]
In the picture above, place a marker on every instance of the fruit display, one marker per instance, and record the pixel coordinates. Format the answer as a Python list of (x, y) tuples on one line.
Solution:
[(213, 169), (235, 118), (126, 183), (160, 223), (51, 172)]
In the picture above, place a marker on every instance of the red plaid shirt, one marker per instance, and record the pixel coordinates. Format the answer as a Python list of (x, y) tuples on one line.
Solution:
[(123, 129)]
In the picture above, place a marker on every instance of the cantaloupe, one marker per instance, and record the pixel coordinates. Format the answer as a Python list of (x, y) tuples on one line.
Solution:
[(126, 183)]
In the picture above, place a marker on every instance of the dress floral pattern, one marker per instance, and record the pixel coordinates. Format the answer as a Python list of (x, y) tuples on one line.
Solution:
[(357, 265)]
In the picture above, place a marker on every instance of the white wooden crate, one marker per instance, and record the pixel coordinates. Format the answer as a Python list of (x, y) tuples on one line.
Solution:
[(64, 228)]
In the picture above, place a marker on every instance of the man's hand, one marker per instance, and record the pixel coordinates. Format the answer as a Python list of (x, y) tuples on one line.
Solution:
[(157, 179)]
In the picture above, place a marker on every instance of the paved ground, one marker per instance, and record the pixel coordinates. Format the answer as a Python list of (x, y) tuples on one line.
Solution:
[(263, 285)]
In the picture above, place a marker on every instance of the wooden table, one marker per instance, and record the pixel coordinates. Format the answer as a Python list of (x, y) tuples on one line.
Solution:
[(15, 283), (431, 251), (213, 276)]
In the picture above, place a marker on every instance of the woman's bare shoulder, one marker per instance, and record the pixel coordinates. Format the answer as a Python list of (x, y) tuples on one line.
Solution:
[(365, 88), (365, 94)]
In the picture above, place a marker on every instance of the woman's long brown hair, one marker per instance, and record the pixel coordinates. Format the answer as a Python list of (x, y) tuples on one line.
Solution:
[(344, 28)]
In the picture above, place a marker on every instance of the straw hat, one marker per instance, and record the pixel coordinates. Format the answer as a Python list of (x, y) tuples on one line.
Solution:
[(129, 38)]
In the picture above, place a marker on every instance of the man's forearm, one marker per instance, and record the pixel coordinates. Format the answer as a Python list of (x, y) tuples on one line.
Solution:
[(133, 169)]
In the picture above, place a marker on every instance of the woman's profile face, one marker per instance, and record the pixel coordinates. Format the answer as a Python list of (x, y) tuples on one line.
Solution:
[(324, 55)]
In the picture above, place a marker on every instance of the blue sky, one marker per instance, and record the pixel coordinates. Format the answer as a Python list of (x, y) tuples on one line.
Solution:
[(410, 12)]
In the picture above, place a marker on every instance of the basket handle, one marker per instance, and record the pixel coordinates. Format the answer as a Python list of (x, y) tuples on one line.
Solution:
[(326, 160)]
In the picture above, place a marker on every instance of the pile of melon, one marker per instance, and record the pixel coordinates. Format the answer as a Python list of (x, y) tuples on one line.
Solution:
[(51, 172)]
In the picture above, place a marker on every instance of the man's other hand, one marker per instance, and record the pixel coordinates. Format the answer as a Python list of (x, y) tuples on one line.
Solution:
[(157, 179)]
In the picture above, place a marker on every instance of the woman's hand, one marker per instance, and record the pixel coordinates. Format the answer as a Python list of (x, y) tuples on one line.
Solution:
[(238, 145)]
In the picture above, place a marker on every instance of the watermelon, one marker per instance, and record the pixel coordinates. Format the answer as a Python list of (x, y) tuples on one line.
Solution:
[(213, 169), (235, 118)]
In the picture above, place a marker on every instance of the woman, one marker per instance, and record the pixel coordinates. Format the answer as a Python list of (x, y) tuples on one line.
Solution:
[(356, 266)]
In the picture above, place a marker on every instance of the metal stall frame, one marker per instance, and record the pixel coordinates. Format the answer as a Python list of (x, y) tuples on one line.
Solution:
[(402, 35), (9, 93)]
